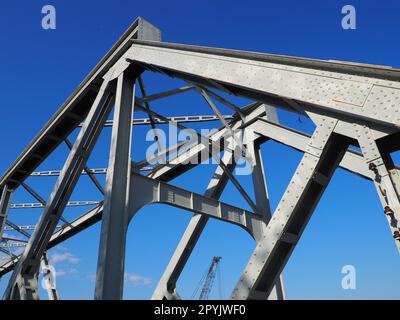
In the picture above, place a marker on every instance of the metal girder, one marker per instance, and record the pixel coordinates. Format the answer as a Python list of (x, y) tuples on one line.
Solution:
[(352, 161), (12, 245), (55, 173), (91, 176), (20, 228), (214, 153), (49, 279), (178, 119), (349, 103), (5, 201), (386, 178), (41, 205), (224, 123), (32, 193), (154, 191), (150, 114), (111, 261), (64, 232), (23, 282), (75, 108), (227, 103), (166, 287), (280, 134), (322, 156), (165, 94), (187, 160), (7, 238), (262, 202), (8, 251), (271, 130), (163, 173), (342, 91)]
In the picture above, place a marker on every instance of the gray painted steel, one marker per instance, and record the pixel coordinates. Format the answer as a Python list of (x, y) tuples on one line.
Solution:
[(110, 269), (350, 104)]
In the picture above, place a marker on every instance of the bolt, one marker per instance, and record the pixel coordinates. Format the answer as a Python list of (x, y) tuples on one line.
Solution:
[(372, 166), (388, 211)]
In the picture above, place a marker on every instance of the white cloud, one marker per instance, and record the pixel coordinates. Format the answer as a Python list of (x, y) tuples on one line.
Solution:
[(73, 271), (130, 278), (137, 280), (66, 257), (63, 262), (61, 272), (65, 272)]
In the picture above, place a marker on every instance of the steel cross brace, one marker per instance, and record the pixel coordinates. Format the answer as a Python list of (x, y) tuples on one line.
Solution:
[(351, 96), (206, 141), (386, 178), (5, 201), (94, 215), (153, 191), (166, 288), (109, 283), (322, 156), (23, 282)]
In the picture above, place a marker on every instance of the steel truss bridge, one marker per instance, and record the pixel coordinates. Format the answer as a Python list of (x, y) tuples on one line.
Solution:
[(350, 104)]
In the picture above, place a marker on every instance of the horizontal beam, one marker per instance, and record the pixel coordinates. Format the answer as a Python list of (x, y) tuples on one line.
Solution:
[(351, 92), (163, 173), (56, 173), (360, 69), (178, 119), (180, 163), (40, 205), (12, 245), (84, 221), (7, 238), (26, 227), (165, 94), (352, 161), (145, 191), (273, 131)]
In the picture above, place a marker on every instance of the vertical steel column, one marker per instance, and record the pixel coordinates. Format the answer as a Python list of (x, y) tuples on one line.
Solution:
[(23, 282), (322, 156), (262, 202), (166, 288), (386, 180), (5, 201), (111, 261)]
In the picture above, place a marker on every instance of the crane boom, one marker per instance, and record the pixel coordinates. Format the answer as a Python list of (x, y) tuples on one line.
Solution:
[(209, 281)]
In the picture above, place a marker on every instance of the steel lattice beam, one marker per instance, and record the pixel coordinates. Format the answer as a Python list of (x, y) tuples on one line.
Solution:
[(350, 104)]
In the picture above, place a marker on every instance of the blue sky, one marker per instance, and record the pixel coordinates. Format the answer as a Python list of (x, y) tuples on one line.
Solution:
[(41, 68)]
